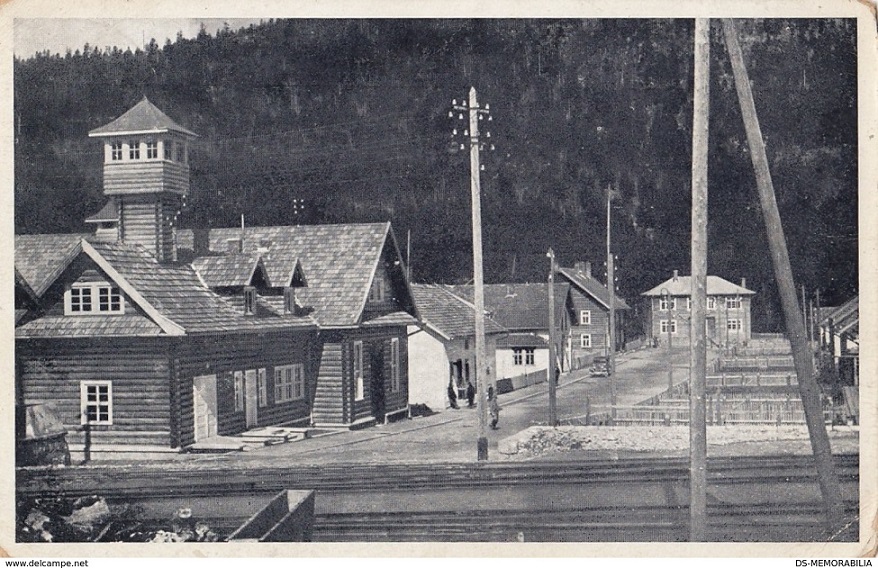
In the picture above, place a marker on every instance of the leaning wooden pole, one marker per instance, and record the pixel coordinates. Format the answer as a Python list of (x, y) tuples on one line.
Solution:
[(808, 389), (697, 339)]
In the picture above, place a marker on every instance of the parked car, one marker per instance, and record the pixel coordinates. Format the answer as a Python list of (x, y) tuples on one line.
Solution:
[(600, 367)]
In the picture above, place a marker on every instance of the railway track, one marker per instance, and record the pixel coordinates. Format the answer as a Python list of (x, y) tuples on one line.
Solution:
[(750, 499), (135, 482)]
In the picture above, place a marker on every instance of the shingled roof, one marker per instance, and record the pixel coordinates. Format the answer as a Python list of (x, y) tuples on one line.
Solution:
[(592, 287), (40, 259), (142, 118), (172, 298), (447, 313), (232, 270), (682, 286), (340, 261), (520, 306)]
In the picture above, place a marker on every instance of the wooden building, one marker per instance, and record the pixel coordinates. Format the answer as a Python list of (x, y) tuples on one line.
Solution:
[(358, 296), (590, 325), (442, 348), (668, 310), (839, 340), (143, 346), (524, 309)]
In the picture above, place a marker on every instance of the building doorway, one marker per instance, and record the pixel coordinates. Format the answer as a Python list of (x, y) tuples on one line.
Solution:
[(250, 397), (204, 403), (376, 381)]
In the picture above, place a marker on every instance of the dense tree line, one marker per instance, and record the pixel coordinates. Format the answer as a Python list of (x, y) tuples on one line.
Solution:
[(351, 119)]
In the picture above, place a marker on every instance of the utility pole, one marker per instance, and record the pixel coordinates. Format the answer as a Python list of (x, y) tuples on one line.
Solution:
[(408, 257), (550, 371), (666, 295), (475, 114), (698, 292), (611, 321), (808, 388)]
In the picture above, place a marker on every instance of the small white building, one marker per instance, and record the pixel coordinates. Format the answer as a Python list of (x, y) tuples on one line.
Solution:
[(442, 348), (522, 360)]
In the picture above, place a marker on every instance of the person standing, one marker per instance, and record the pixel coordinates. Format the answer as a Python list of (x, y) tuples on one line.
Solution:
[(470, 394), (452, 395), (493, 408)]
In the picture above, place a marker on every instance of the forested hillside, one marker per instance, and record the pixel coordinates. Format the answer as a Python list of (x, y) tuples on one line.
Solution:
[(322, 121)]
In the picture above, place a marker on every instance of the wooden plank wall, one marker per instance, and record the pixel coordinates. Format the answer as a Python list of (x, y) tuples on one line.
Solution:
[(597, 329), (222, 355), (51, 372), (145, 177)]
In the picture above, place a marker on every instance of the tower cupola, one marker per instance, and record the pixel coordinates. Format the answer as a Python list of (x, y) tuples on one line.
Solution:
[(146, 175)]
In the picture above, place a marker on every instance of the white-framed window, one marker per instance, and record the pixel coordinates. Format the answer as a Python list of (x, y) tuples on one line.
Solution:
[(664, 325), (518, 356), (168, 150), (359, 385), (733, 302), (239, 390), (688, 303), (93, 298), (584, 317), (378, 291), (116, 151), (529, 356), (585, 340), (734, 325), (289, 383), (249, 300), (96, 402), (711, 303), (665, 303), (394, 365), (262, 387), (152, 150), (133, 150)]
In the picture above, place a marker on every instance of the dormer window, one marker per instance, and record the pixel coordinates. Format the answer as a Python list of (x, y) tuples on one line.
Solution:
[(152, 150), (116, 151), (133, 150), (93, 298), (249, 300), (169, 150)]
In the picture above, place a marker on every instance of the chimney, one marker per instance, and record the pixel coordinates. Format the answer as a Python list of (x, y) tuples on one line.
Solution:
[(743, 282), (676, 275), (587, 269), (201, 242), (234, 246)]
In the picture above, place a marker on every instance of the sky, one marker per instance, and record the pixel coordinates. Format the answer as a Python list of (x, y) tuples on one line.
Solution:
[(33, 35)]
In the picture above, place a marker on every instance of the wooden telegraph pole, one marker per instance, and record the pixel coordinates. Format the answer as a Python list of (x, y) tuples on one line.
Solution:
[(611, 321), (697, 340), (550, 371), (808, 389), (482, 369)]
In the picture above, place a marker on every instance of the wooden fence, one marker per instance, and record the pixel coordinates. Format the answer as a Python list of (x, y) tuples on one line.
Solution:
[(752, 380), (720, 410), (766, 363)]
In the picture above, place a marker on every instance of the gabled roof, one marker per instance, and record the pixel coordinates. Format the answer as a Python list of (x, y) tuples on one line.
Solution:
[(522, 340), (340, 260), (172, 297), (284, 268), (449, 315), (230, 270), (110, 212), (42, 258), (520, 306), (142, 118), (593, 288), (682, 286)]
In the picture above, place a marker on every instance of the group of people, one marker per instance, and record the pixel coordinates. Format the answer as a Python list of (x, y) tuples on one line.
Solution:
[(493, 405)]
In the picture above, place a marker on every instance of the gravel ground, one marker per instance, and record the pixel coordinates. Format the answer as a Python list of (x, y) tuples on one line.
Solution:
[(545, 442)]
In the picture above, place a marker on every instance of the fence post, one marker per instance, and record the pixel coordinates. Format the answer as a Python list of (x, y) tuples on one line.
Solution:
[(667, 419)]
